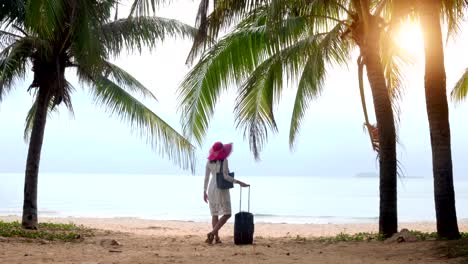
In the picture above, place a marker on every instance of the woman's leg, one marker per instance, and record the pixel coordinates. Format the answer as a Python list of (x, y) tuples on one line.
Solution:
[(214, 221), (220, 224)]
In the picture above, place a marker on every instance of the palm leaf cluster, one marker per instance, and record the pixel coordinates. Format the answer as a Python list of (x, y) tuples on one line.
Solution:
[(275, 44)]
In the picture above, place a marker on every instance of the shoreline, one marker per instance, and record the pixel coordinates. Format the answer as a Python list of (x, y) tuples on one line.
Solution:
[(150, 227)]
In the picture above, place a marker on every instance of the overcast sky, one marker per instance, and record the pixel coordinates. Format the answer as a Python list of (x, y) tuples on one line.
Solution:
[(332, 141)]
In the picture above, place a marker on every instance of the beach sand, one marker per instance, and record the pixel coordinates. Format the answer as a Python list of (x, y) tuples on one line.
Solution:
[(151, 241)]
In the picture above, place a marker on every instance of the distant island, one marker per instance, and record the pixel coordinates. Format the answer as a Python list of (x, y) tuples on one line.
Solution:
[(367, 175)]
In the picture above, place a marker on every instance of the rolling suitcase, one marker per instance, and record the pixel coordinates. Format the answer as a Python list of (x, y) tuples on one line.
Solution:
[(243, 224)]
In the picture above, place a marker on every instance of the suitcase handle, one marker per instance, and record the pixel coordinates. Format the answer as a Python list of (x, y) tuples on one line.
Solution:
[(240, 199)]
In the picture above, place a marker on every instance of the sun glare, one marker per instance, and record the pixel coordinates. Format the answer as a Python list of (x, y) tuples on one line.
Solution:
[(409, 38)]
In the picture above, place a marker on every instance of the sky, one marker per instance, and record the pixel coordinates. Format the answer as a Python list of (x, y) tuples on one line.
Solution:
[(332, 141)]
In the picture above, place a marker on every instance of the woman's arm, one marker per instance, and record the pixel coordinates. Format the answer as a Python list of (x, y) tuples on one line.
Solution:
[(226, 172), (207, 177), (205, 186), (229, 178)]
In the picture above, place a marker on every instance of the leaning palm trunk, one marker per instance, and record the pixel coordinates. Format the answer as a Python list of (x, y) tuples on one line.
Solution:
[(34, 156), (387, 136), (437, 111), (49, 78), (374, 140)]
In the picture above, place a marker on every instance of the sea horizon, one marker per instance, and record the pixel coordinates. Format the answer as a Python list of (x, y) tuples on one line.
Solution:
[(274, 199)]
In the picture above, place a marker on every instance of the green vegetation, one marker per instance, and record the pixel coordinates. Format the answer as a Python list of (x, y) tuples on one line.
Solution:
[(47, 231), (343, 237), (365, 236)]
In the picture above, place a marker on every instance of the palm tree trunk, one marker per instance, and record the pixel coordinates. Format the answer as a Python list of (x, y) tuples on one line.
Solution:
[(388, 220), (438, 115), (29, 220)]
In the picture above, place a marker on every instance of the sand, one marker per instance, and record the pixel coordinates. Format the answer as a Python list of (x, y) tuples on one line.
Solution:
[(132, 240)]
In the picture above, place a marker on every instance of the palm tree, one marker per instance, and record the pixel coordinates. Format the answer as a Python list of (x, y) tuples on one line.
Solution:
[(429, 13), (438, 114), (55, 35), (288, 42)]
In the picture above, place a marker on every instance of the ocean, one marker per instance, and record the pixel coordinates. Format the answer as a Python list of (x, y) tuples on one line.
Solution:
[(285, 199)]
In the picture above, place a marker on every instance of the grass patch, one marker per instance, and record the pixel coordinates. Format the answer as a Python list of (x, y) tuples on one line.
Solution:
[(433, 235), (47, 231), (343, 237), (422, 236)]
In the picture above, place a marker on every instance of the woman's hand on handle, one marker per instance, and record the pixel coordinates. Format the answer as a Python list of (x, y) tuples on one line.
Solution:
[(243, 184)]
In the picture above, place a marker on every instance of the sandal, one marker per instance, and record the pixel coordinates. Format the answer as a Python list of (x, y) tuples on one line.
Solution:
[(218, 241), (209, 238)]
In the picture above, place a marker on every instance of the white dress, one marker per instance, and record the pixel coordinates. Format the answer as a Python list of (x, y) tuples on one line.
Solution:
[(218, 199)]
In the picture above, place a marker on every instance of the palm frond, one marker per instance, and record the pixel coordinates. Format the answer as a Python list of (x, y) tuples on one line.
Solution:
[(158, 133), (126, 80), (302, 60), (263, 88), (395, 11), (146, 7), (254, 107), (82, 38), (14, 61), (50, 110), (66, 97), (310, 86), (229, 12), (135, 33), (228, 63), (226, 13), (104, 9), (453, 13), (325, 49), (460, 91), (200, 40), (394, 60), (7, 38), (11, 11), (30, 120), (322, 14), (44, 17)]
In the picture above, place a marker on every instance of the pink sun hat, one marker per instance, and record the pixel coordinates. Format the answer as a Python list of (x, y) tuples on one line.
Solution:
[(220, 151)]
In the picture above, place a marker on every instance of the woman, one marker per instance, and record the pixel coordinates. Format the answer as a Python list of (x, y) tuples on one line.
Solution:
[(218, 199)]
